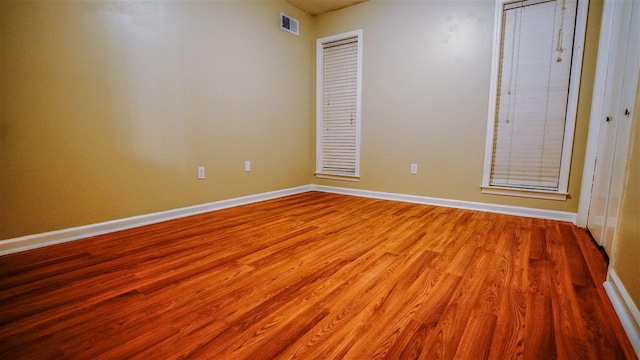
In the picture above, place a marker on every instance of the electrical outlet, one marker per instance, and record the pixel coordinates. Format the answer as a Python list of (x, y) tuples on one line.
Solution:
[(247, 165), (414, 169), (200, 172)]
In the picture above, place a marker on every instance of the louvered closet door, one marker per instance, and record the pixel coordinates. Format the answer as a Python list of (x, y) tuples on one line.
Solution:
[(339, 97), (537, 43)]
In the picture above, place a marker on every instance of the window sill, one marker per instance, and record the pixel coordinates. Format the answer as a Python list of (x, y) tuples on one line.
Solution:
[(528, 193), (353, 178)]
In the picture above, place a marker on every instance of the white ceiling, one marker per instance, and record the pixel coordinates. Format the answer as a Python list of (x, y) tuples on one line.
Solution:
[(317, 7)]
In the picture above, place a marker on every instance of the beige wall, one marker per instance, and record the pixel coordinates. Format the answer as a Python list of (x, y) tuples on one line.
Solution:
[(107, 108), (426, 72), (626, 255)]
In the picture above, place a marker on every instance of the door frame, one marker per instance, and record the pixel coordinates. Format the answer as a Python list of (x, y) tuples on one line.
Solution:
[(607, 32)]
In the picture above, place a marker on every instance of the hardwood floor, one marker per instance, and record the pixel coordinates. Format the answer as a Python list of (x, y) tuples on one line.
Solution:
[(313, 276)]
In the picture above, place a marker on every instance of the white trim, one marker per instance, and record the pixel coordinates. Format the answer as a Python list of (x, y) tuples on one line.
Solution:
[(597, 104), (574, 92), (458, 204), (493, 88), (29, 242), (337, 177), (572, 101), (319, 91), (359, 32), (625, 308), (10, 246), (527, 193)]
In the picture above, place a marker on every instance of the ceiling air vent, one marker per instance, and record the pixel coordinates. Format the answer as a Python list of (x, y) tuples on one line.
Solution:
[(289, 24)]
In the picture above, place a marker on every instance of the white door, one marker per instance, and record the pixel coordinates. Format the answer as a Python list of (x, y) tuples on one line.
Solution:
[(613, 142)]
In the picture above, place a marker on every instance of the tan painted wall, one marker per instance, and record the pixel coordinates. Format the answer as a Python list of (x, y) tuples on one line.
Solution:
[(626, 255), (426, 70), (107, 108)]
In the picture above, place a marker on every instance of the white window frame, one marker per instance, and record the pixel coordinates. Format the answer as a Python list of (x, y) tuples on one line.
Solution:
[(572, 106), (319, 101)]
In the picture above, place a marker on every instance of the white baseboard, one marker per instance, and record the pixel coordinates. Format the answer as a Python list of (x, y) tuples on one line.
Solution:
[(626, 309), (29, 242), (458, 204)]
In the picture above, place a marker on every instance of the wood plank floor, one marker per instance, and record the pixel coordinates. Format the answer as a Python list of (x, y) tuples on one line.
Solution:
[(315, 276)]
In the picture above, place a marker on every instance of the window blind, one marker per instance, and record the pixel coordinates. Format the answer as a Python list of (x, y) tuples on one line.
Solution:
[(533, 88), (340, 106)]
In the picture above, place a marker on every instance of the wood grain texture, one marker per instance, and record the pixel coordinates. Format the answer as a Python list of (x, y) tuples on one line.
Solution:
[(316, 276)]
